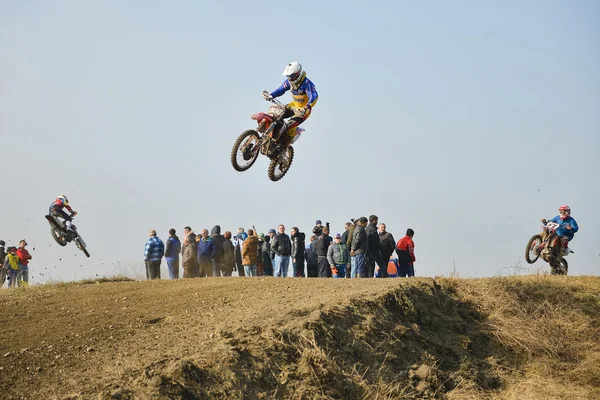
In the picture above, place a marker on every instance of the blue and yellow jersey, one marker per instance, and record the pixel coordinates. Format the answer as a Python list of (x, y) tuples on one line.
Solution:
[(304, 96)]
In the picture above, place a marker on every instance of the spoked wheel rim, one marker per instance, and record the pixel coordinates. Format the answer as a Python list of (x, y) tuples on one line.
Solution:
[(245, 151), (533, 249), (281, 165)]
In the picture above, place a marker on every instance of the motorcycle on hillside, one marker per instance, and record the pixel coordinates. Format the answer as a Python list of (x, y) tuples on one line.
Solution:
[(265, 139), (62, 235), (549, 249)]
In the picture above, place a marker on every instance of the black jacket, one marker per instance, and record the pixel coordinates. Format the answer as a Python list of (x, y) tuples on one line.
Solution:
[(373, 238), (322, 245), (298, 245), (218, 239), (311, 253), (359, 240), (388, 244), (265, 252), (282, 246)]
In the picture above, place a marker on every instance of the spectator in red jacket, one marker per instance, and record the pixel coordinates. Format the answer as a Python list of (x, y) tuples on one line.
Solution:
[(24, 257), (406, 254)]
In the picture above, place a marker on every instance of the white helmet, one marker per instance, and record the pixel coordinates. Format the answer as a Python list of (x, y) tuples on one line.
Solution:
[(63, 198), (293, 71)]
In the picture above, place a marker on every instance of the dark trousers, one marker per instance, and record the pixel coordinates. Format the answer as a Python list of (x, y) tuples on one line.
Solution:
[(324, 270), (298, 267), (374, 256), (406, 270), (312, 270), (240, 269), (152, 270)]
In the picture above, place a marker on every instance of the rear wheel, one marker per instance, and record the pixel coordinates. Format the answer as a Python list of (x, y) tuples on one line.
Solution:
[(58, 236), (245, 150), (532, 251), (280, 165)]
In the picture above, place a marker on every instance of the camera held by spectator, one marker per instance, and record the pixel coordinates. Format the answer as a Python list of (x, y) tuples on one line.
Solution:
[(318, 229)]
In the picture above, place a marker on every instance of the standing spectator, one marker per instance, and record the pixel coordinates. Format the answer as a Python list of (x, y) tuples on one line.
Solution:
[(282, 247), (189, 258), (3, 270), (265, 252), (272, 233), (24, 257), (206, 254), (186, 231), (218, 239), (312, 262), (338, 257), (318, 229), (172, 250), (11, 264), (351, 228), (153, 254), (388, 244), (250, 253), (238, 242), (359, 247), (321, 248), (228, 255), (374, 249), (260, 266), (298, 252), (406, 254), (345, 237)]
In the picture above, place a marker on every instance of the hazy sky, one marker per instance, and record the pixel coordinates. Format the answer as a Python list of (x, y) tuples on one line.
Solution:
[(467, 121)]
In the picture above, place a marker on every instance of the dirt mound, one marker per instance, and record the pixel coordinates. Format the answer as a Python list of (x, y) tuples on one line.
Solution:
[(263, 338)]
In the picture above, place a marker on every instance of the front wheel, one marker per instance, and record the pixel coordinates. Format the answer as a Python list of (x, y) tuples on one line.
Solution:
[(58, 236), (532, 251), (245, 150), (280, 165), (81, 246)]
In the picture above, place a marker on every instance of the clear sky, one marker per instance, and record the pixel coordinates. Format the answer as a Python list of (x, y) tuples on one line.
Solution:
[(467, 121)]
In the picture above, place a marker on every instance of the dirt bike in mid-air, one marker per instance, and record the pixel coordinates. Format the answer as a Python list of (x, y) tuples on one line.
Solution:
[(265, 139), (549, 249), (62, 235)]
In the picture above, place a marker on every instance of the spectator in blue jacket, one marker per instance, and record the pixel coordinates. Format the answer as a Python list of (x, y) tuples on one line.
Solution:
[(153, 253), (206, 254), (172, 250)]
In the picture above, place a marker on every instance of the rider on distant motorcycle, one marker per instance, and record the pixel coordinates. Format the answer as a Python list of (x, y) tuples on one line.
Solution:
[(567, 229), (304, 96), (56, 210)]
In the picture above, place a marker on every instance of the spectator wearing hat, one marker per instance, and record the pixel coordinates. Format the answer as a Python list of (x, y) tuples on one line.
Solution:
[(238, 242), (228, 255), (153, 253), (189, 257), (11, 265), (260, 266), (321, 248), (298, 252), (359, 247), (24, 257), (338, 257), (172, 250), (265, 253), (217, 261), (272, 232)]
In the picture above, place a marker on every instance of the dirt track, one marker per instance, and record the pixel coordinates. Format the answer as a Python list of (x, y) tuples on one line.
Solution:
[(262, 338), (74, 339)]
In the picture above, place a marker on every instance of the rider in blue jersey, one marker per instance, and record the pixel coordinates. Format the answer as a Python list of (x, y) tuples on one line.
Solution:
[(304, 97), (568, 226)]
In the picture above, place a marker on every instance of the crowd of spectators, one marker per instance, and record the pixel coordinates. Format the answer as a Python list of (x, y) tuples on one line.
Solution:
[(14, 264), (365, 249)]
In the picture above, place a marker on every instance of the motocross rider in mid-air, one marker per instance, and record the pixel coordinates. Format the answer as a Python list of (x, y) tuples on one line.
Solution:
[(566, 230), (304, 96), (57, 210)]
